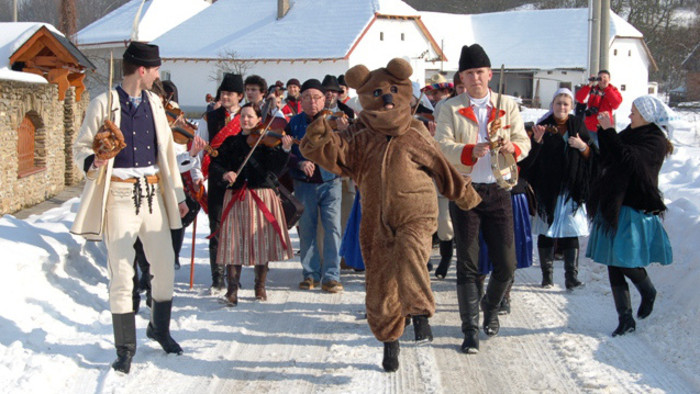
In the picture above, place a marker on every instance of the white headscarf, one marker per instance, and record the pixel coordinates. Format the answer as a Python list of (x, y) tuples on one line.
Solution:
[(559, 92), (655, 111)]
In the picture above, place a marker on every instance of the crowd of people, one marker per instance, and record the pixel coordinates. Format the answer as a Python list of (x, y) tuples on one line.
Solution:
[(426, 161)]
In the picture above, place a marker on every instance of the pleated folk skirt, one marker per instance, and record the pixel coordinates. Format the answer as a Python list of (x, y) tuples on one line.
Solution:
[(640, 240), (567, 223), (247, 237)]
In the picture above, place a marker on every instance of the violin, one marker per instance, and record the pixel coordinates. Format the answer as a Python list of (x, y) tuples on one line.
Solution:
[(183, 134), (272, 137), (332, 117)]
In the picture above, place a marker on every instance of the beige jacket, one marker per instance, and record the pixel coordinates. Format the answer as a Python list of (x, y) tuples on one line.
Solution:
[(457, 129), (89, 221)]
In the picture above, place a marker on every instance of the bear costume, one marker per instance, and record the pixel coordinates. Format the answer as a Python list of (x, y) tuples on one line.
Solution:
[(396, 164)]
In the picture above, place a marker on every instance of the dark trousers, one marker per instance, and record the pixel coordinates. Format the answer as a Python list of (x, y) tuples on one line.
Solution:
[(617, 275), (215, 209), (494, 216)]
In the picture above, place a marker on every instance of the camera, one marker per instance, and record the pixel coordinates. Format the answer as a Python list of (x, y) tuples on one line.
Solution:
[(592, 111), (593, 79)]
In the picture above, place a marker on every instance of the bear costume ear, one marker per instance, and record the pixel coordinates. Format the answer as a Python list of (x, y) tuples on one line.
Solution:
[(399, 68), (357, 76)]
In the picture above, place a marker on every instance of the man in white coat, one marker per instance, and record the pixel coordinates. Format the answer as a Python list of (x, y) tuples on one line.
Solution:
[(138, 193)]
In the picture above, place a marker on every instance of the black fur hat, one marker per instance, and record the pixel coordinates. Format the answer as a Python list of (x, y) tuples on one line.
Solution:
[(473, 57), (232, 83), (312, 84), (142, 54), (331, 84)]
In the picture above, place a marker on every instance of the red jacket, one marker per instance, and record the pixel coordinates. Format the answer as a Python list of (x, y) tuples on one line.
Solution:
[(606, 100), (291, 108)]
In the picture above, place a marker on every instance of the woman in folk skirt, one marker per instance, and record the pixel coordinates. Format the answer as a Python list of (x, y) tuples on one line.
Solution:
[(253, 227), (560, 167), (625, 204)]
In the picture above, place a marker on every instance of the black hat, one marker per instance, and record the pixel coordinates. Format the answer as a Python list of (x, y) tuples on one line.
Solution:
[(331, 84), (232, 83), (142, 54), (293, 81), (313, 84), (473, 57), (341, 80)]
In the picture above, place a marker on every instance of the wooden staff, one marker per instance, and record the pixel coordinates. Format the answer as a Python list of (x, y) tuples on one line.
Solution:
[(194, 233)]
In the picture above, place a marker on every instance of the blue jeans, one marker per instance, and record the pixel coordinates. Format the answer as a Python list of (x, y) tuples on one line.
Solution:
[(324, 199)]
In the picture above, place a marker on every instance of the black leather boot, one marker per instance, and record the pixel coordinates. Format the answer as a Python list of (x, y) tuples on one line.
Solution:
[(391, 356), (233, 276), (159, 326), (648, 293), (623, 305), (468, 300), (547, 266), (490, 303), (504, 307), (260, 278), (571, 269), (218, 276), (421, 328), (446, 250), (124, 325)]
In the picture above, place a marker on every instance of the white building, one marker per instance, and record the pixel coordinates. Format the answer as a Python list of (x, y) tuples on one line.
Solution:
[(543, 50), (311, 39), (114, 31)]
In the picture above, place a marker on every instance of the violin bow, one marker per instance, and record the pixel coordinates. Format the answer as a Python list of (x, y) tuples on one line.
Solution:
[(415, 109)]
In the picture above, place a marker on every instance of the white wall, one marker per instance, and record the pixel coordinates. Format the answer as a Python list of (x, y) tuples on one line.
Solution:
[(629, 67), (552, 80), (374, 52)]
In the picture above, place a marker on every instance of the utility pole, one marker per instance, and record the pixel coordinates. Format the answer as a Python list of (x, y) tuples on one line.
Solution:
[(14, 10), (605, 35), (594, 35)]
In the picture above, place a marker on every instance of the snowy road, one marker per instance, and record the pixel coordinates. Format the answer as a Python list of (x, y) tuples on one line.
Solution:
[(310, 341)]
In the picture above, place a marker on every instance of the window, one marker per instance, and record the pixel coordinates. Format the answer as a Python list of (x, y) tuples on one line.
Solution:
[(623, 87), (28, 161), (165, 75), (615, 52), (381, 36), (629, 53), (651, 90), (565, 85), (403, 37)]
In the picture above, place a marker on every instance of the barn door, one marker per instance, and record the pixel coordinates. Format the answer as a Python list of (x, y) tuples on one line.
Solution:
[(25, 146)]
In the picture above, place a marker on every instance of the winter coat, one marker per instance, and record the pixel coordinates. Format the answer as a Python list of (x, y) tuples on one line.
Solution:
[(554, 168), (458, 129), (89, 221), (630, 165), (606, 100)]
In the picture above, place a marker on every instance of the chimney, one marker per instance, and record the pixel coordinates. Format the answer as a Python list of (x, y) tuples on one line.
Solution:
[(282, 8)]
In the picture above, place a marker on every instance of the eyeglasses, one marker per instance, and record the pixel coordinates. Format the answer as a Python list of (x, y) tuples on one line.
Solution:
[(314, 98)]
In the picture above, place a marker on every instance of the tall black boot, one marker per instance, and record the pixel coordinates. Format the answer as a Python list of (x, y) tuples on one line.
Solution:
[(648, 293), (623, 305), (504, 307), (233, 276), (468, 299), (571, 269), (490, 303), (178, 237), (217, 270), (260, 278), (124, 325), (390, 363), (547, 266), (446, 250), (135, 296), (159, 326), (421, 328)]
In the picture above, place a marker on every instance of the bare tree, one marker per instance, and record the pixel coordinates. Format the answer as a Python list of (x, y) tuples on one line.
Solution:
[(228, 63), (68, 16)]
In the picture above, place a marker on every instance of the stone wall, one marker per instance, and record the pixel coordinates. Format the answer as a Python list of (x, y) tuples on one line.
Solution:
[(56, 124)]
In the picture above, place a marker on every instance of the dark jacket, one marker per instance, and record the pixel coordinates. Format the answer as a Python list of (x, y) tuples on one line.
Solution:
[(233, 151), (554, 168), (630, 165)]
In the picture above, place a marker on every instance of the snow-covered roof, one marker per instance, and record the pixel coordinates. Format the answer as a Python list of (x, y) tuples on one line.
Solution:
[(12, 36), (157, 17), (312, 29), (525, 39)]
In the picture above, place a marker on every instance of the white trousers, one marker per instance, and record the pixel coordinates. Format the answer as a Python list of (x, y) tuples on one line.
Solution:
[(122, 227)]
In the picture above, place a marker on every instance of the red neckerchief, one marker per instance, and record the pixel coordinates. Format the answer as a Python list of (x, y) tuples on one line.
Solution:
[(232, 128)]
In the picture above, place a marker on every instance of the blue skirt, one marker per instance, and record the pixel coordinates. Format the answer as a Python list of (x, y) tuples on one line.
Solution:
[(640, 240), (523, 236), (350, 244), (566, 223)]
